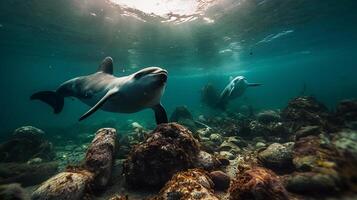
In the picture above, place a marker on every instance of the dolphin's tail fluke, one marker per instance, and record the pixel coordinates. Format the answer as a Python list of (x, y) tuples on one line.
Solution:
[(55, 100), (254, 84)]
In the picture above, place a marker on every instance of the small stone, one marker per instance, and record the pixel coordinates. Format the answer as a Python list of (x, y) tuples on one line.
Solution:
[(34, 161), (227, 155), (206, 161), (260, 145), (229, 146), (216, 138), (220, 179), (308, 130)]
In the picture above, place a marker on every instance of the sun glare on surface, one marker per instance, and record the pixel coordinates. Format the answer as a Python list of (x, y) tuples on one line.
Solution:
[(162, 7)]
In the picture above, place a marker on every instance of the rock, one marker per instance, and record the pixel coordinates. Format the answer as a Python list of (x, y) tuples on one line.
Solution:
[(229, 146), (304, 111), (257, 183), (26, 143), (347, 111), (308, 130), (260, 145), (180, 112), (268, 116), (312, 183), (76, 182), (277, 156), (191, 184), (26, 174), (34, 161), (100, 156), (65, 185), (346, 142), (119, 197), (309, 154), (220, 179), (207, 161), (227, 155), (275, 129), (209, 146), (13, 191), (216, 138), (168, 149)]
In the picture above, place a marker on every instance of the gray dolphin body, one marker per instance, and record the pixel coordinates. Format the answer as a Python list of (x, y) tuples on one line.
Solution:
[(234, 89), (102, 90)]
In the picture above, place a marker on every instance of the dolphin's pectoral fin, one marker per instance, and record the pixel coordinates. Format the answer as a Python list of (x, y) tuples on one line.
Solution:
[(100, 103), (106, 66), (160, 114)]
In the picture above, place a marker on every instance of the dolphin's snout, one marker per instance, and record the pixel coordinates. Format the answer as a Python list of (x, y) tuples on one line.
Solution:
[(162, 74)]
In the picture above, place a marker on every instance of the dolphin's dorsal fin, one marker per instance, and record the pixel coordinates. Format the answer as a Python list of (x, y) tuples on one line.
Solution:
[(106, 66), (100, 103)]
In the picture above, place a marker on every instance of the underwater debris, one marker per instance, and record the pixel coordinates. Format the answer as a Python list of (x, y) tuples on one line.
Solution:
[(26, 174), (277, 156), (257, 183), (26, 143), (13, 191), (190, 184), (77, 182), (168, 149)]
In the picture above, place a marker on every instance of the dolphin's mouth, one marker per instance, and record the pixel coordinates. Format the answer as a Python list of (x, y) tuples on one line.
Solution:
[(162, 74)]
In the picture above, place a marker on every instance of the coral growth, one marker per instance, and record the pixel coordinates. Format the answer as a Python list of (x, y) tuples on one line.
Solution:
[(169, 148), (303, 111), (191, 184), (257, 183)]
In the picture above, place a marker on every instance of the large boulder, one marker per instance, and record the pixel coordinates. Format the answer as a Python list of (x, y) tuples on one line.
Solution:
[(268, 116), (26, 174), (312, 183), (277, 156), (13, 191), (346, 113), (169, 148), (303, 111), (26, 143), (191, 184), (65, 185), (258, 184), (100, 156)]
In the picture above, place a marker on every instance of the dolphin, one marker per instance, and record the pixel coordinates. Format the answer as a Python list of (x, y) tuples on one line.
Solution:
[(102, 90), (233, 90)]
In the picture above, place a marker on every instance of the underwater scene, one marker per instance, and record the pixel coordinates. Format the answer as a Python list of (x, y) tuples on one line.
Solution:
[(178, 99)]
